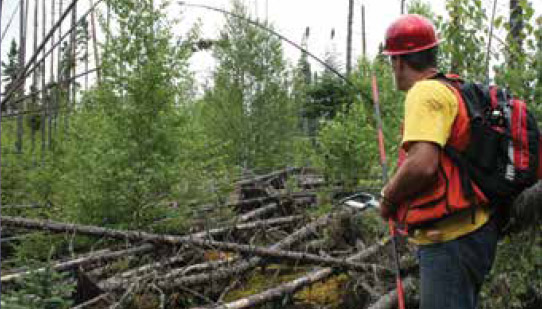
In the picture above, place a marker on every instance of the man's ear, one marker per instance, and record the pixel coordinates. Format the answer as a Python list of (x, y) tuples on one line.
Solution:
[(401, 65)]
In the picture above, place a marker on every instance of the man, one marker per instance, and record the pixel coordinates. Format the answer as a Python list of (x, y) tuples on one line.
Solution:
[(456, 238)]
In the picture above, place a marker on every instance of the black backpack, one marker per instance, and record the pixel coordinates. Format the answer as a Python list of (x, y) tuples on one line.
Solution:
[(504, 153)]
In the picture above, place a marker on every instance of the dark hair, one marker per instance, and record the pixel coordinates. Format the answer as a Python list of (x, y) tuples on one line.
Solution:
[(422, 60)]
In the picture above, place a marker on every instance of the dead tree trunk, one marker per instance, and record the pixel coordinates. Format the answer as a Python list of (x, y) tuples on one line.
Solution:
[(33, 117), (51, 81), (73, 61), (44, 99), (22, 52), (52, 59), (363, 39), (349, 38), (59, 89), (95, 42)]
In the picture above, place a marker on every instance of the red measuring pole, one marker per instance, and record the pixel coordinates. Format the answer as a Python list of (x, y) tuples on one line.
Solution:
[(391, 224)]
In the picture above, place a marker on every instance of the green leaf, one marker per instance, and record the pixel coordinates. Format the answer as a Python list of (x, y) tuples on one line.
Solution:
[(498, 22)]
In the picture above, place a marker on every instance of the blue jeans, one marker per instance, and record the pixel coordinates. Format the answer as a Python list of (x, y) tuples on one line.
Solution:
[(452, 272)]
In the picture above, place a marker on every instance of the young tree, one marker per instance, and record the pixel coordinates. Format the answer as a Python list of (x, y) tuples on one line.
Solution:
[(463, 49), (131, 138), (249, 107), (10, 70)]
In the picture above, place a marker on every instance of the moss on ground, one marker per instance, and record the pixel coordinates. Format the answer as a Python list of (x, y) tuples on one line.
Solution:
[(326, 293)]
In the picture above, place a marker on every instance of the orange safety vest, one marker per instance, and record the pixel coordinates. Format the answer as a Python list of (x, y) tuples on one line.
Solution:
[(447, 195)]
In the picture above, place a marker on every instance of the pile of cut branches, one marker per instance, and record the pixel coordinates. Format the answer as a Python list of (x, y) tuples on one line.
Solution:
[(274, 236)]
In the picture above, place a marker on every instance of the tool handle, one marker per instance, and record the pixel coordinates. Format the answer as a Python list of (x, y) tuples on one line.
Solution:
[(400, 291)]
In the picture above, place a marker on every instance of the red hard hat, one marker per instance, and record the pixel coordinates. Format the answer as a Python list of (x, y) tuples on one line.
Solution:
[(409, 34)]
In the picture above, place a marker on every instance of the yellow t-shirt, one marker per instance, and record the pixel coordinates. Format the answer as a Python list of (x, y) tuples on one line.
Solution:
[(430, 110)]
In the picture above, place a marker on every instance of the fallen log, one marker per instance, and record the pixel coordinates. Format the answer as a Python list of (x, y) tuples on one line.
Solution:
[(264, 199), (526, 212), (248, 226), (292, 286), (111, 284), (259, 201), (145, 270), (389, 300), (259, 212), (82, 261), (118, 283), (199, 267), (315, 245), (177, 240), (152, 266), (15, 238), (267, 177), (242, 267)]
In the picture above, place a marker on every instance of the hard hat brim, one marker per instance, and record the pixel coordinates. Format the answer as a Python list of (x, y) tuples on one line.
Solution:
[(410, 51)]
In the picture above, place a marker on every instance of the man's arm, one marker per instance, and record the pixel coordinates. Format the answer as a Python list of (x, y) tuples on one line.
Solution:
[(416, 174)]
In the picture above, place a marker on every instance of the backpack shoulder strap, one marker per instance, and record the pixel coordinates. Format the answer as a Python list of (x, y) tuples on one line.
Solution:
[(459, 86)]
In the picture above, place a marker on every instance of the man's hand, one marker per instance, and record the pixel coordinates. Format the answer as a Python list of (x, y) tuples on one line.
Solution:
[(387, 207)]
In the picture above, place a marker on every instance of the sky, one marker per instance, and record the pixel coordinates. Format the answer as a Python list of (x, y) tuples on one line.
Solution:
[(289, 17)]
